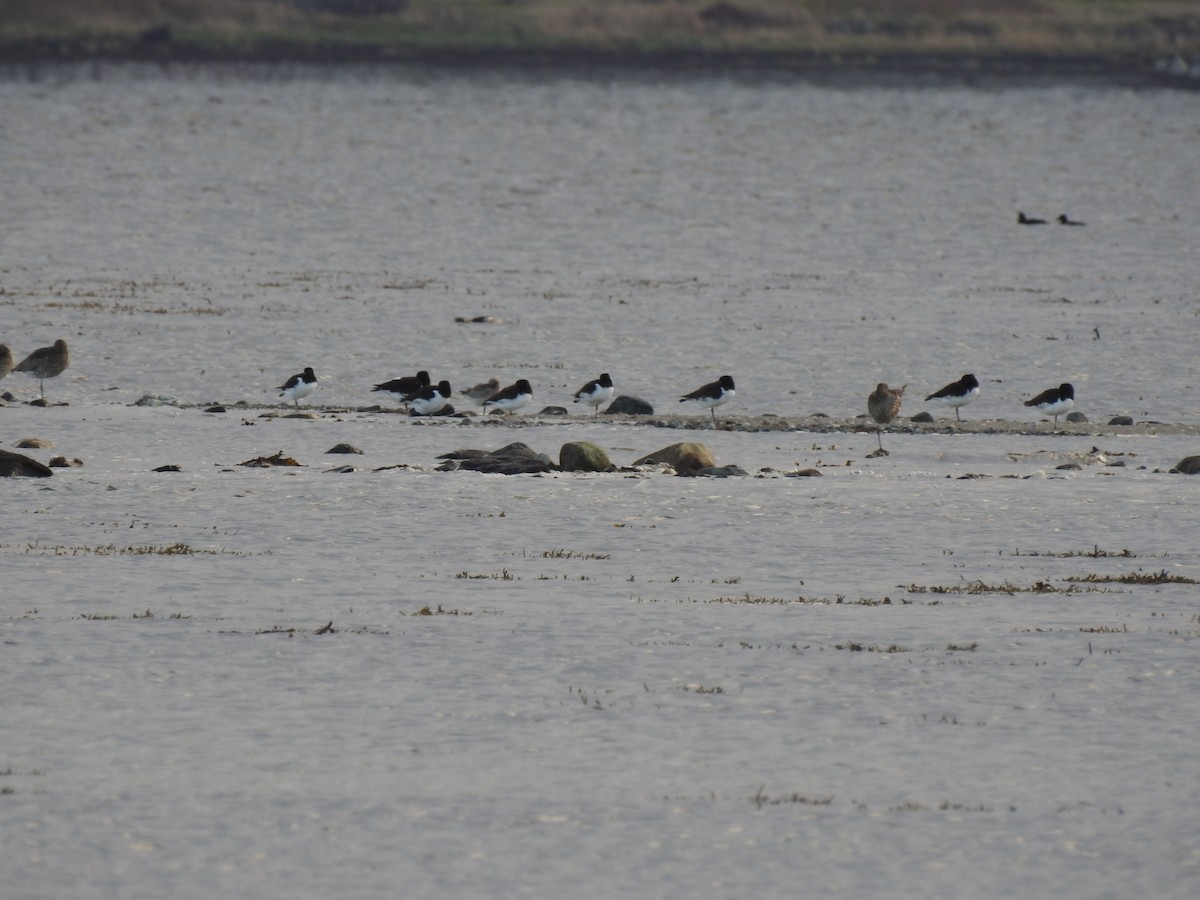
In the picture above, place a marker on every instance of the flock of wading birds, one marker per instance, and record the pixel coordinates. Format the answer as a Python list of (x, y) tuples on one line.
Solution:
[(426, 399)]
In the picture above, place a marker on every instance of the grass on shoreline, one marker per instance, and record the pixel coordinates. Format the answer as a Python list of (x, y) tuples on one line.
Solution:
[(1119, 30)]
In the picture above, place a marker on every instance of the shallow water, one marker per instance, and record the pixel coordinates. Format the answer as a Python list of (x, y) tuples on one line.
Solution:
[(641, 684)]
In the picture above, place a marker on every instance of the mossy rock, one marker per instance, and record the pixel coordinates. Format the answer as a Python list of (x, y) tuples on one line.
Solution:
[(583, 456)]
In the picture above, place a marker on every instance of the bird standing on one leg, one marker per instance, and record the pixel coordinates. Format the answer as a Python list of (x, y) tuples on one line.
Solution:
[(712, 395), (1054, 402), (595, 392), (511, 398), (45, 362), (481, 391), (299, 386), (957, 394), (884, 405)]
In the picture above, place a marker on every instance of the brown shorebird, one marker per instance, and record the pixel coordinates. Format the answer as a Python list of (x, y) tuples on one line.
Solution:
[(6, 362), (45, 362), (481, 391), (884, 405)]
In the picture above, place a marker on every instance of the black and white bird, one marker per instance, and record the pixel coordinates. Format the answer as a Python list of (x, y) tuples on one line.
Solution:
[(957, 394), (482, 391), (510, 398), (712, 395), (1054, 402), (299, 386), (430, 400), (1023, 219), (884, 405), (595, 392), (402, 389), (45, 362)]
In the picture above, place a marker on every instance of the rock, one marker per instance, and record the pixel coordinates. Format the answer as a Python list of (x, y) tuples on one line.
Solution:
[(1189, 465), (804, 473), (168, 468), (34, 444), (61, 462), (553, 411), (343, 448), (513, 459), (464, 453), (17, 465), (215, 409), (722, 472), (923, 417), (686, 458), (630, 406), (583, 456), (1121, 420), (1069, 465), (446, 410), (266, 462), (155, 400), (1077, 417)]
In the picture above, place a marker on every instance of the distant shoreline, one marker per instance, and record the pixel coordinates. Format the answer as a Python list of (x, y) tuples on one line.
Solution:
[(821, 67)]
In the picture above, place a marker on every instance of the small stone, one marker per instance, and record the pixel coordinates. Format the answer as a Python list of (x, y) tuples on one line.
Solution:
[(722, 472), (155, 400), (1189, 465), (266, 462), (61, 462), (168, 468), (1121, 420), (553, 411), (1077, 418), (805, 473), (583, 456), (923, 417), (215, 409), (343, 448), (1069, 465), (34, 444), (629, 406)]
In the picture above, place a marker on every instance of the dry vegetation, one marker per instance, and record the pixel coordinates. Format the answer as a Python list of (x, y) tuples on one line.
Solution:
[(1099, 29)]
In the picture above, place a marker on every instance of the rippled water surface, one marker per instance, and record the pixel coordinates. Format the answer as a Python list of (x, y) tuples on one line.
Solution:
[(959, 670)]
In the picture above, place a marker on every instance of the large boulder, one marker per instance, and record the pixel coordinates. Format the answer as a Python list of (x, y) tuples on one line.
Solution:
[(630, 406), (583, 456), (513, 459), (1189, 465), (686, 458), (17, 464)]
